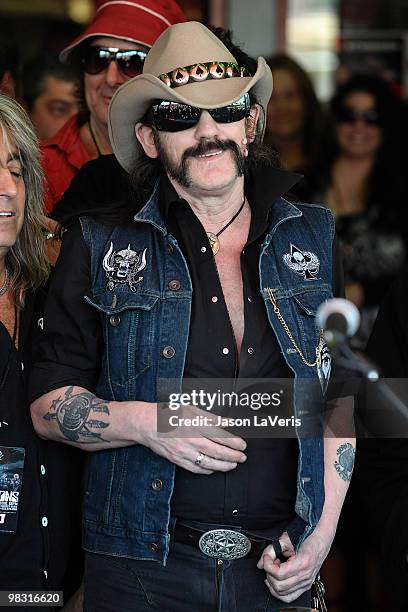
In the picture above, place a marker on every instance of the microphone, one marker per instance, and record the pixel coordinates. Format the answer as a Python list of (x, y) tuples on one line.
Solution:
[(339, 319)]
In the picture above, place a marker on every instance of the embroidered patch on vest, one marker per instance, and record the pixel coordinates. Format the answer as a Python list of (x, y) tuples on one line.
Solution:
[(305, 263), (123, 267), (324, 366)]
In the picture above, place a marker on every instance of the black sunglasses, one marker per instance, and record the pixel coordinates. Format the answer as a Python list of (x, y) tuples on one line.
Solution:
[(130, 61), (347, 114), (169, 116)]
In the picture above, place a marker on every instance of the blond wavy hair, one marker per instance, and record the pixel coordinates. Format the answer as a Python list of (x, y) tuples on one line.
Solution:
[(26, 260)]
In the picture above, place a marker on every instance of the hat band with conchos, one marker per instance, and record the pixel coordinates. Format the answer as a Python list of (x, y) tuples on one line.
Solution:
[(190, 65), (196, 73)]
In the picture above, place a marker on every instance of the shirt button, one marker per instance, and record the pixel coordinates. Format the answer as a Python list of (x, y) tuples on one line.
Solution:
[(214, 299), (235, 512), (225, 351), (154, 547), (250, 350), (157, 484), (249, 298), (44, 521), (203, 249), (114, 320), (42, 470), (168, 352), (174, 285), (22, 366)]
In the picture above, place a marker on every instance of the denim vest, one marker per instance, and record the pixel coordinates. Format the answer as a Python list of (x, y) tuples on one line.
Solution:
[(145, 324)]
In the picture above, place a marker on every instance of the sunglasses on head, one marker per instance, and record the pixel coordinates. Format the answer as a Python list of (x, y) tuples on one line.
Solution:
[(169, 116), (347, 114), (130, 61)]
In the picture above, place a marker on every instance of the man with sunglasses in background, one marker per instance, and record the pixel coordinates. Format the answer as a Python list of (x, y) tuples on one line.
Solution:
[(110, 51), (205, 272)]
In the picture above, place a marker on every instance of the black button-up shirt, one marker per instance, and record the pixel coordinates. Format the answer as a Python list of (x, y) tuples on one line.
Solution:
[(261, 492)]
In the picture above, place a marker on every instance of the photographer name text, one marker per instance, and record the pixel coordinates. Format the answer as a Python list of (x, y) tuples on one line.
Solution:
[(220, 421)]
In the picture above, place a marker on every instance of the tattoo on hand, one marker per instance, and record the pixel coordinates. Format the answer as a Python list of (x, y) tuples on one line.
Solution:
[(345, 461), (72, 413)]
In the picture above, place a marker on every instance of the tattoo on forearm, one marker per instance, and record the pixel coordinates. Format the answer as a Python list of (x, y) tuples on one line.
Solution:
[(73, 412), (345, 461)]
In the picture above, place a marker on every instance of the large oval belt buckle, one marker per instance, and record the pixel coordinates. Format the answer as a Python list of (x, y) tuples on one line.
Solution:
[(224, 544)]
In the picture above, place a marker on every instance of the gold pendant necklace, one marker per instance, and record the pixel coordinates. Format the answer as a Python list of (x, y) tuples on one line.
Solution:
[(213, 238), (214, 242)]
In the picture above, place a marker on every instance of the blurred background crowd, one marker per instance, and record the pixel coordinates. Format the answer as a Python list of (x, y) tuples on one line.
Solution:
[(337, 116)]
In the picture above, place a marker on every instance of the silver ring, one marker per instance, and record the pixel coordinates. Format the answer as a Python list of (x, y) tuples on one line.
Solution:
[(199, 459)]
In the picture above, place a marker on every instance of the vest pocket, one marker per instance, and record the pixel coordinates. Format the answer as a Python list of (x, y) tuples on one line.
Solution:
[(128, 322), (309, 301), (305, 305)]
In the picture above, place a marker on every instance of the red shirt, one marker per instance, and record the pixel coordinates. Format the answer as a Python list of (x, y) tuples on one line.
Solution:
[(62, 156)]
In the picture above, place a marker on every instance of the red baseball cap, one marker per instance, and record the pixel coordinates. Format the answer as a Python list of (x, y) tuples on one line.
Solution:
[(139, 21)]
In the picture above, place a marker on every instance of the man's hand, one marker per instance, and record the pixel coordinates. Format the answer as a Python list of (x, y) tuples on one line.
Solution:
[(269, 552), (221, 451), (287, 581)]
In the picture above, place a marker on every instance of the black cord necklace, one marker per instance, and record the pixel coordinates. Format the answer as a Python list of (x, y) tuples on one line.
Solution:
[(213, 238)]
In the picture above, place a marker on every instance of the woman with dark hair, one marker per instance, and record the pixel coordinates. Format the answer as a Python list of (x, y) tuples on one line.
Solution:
[(360, 181), (295, 118)]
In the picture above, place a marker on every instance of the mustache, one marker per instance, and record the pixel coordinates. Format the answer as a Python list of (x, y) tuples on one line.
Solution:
[(208, 146)]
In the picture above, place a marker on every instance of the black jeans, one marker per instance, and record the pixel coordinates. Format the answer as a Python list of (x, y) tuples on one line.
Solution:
[(190, 582)]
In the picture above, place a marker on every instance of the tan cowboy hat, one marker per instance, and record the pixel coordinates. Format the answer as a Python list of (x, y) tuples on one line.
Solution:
[(180, 46)]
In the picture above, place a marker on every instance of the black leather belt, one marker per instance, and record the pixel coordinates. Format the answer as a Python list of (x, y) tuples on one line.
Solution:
[(222, 543)]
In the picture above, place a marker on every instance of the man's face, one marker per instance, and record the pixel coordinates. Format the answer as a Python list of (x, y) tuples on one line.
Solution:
[(99, 88), (54, 106), (206, 158), (12, 195)]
